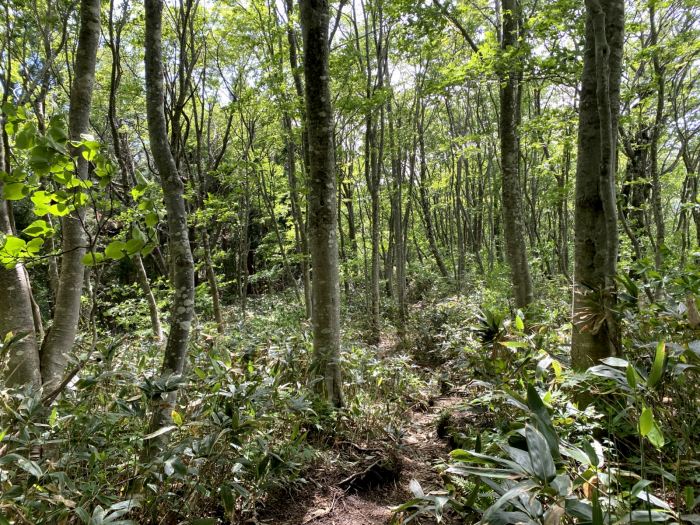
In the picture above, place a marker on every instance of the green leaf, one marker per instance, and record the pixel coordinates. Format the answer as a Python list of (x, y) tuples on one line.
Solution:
[(650, 429), (115, 250), (151, 219), (519, 325), (658, 367), (689, 497), (227, 499), (540, 455), (134, 246), (656, 437), (25, 138), (15, 191), (53, 417), (38, 228), (25, 464), (542, 421), (631, 376), (514, 344), (138, 191), (34, 246), (13, 245), (646, 422), (93, 258), (177, 418)]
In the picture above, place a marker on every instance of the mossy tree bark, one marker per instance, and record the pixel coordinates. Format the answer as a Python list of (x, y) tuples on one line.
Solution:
[(181, 261), (511, 188), (61, 337), (596, 331), (323, 216)]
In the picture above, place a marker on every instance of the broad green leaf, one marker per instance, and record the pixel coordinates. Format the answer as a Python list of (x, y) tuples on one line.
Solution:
[(25, 464), (542, 421), (656, 437), (134, 246), (38, 228), (93, 258), (227, 499), (34, 246), (151, 219), (540, 455), (13, 245), (26, 136), (646, 422), (519, 325), (14, 191), (115, 250), (658, 367)]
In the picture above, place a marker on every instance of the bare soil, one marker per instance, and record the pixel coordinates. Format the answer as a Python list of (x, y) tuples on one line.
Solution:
[(342, 502)]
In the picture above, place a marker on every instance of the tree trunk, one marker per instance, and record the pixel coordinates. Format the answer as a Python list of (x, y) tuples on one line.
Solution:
[(322, 199), (125, 160), (181, 261), (425, 197), (61, 337), (16, 315), (596, 332), (142, 278), (511, 190), (659, 72)]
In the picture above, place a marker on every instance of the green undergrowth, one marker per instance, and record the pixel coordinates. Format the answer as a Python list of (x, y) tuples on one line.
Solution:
[(536, 442), (247, 425)]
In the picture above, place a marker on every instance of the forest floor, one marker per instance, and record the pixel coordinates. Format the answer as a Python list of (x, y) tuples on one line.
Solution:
[(366, 496)]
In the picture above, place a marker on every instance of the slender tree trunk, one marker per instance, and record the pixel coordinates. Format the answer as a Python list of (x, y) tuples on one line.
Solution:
[(126, 164), (654, 143), (61, 337), (323, 217), (596, 331), (142, 278), (297, 215), (397, 225), (511, 190), (182, 309), (425, 198), (373, 185)]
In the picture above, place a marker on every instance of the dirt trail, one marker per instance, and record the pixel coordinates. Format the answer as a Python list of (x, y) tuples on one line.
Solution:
[(331, 505)]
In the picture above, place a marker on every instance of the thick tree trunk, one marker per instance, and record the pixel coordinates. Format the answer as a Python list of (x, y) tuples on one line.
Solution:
[(61, 337), (511, 190), (596, 332), (181, 262), (16, 315), (322, 199)]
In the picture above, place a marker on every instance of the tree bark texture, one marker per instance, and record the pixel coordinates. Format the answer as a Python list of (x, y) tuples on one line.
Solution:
[(61, 337), (181, 262), (322, 199), (596, 332), (511, 190)]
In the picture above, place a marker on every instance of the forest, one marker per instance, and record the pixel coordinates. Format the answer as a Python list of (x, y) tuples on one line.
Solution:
[(349, 262)]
